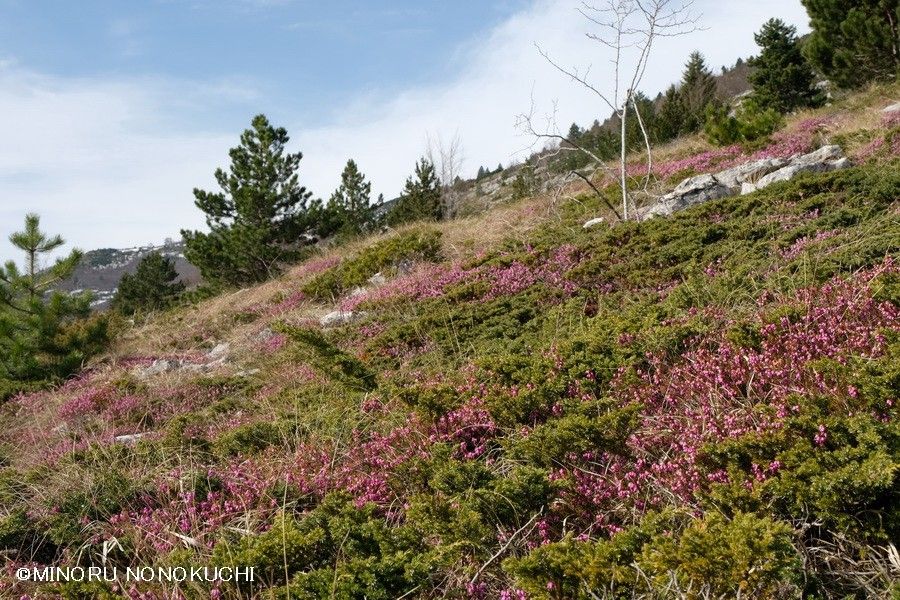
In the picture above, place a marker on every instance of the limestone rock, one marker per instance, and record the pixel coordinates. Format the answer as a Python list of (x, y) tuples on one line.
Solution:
[(158, 367), (129, 439), (265, 334), (693, 190), (747, 178), (595, 221), (826, 158), (219, 353), (337, 317), (895, 107), (377, 279), (736, 177)]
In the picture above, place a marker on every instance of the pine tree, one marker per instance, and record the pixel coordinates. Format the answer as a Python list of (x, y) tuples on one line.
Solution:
[(260, 219), (575, 133), (634, 138), (525, 182), (350, 203), (854, 41), (781, 77), (421, 197), (698, 90), (670, 120), (153, 286), (38, 337), (481, 173)]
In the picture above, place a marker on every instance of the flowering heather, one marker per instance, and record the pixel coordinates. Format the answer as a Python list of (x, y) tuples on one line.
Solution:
[(506, 279), (83, 404), (719, 391), (802, 244), (801, 138), (710, 160), (470, 428), (886, 144), (273, 343)]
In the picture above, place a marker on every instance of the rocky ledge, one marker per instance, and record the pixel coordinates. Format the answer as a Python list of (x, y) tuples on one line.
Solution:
[(746, 178)]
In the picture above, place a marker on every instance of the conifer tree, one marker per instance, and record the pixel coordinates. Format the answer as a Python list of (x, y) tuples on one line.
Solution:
[(350, 203), (525, 183), (633, 136), (854, 41), (781, 77), (261, 217), (35, 337), (698, 89), (153, 286), (575, 133), (671, 116), (421, 197)]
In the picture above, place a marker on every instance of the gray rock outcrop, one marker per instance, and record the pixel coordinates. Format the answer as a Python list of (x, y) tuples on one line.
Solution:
[(693, 190), (826, 158), (746, 178), (338, 317)]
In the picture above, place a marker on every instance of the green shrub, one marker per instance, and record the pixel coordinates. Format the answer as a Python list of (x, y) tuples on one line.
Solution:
[(668, 555), (330, 359), (23, 539), (249, 439), (746, 556), (107, 492), (387, 255), (550, 443), (336, 550), (749, 124)]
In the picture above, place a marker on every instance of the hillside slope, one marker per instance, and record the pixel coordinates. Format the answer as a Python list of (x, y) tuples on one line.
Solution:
[(512, 406)]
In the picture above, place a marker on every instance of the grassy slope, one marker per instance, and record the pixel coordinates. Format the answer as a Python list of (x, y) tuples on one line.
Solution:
[(539, 410)]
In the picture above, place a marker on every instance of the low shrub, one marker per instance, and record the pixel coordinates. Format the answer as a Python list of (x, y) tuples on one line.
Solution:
[(388, 255)]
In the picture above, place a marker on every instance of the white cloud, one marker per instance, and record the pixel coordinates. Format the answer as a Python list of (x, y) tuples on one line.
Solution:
[(111, 163), (98, 159)]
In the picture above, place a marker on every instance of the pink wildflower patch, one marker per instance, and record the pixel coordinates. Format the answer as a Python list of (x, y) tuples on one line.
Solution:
[(719, 391)]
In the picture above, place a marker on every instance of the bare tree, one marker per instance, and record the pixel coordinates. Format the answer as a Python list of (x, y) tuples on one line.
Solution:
[(628, 29), (447, 158)]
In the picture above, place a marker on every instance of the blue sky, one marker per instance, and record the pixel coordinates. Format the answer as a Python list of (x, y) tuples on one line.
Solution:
[(303, 57), (111, 112)]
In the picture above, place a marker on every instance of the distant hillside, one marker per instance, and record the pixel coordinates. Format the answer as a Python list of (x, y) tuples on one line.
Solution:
[(101, 270)]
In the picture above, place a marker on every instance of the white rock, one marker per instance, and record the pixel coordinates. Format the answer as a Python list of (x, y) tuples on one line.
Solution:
[(129, 439), (826, 158), (337, 317), (892, 108), (158, 367), (693, 190), (592, 222), (735, 177), (377, 279), (219, 352), (841, 163), (264, 335)]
